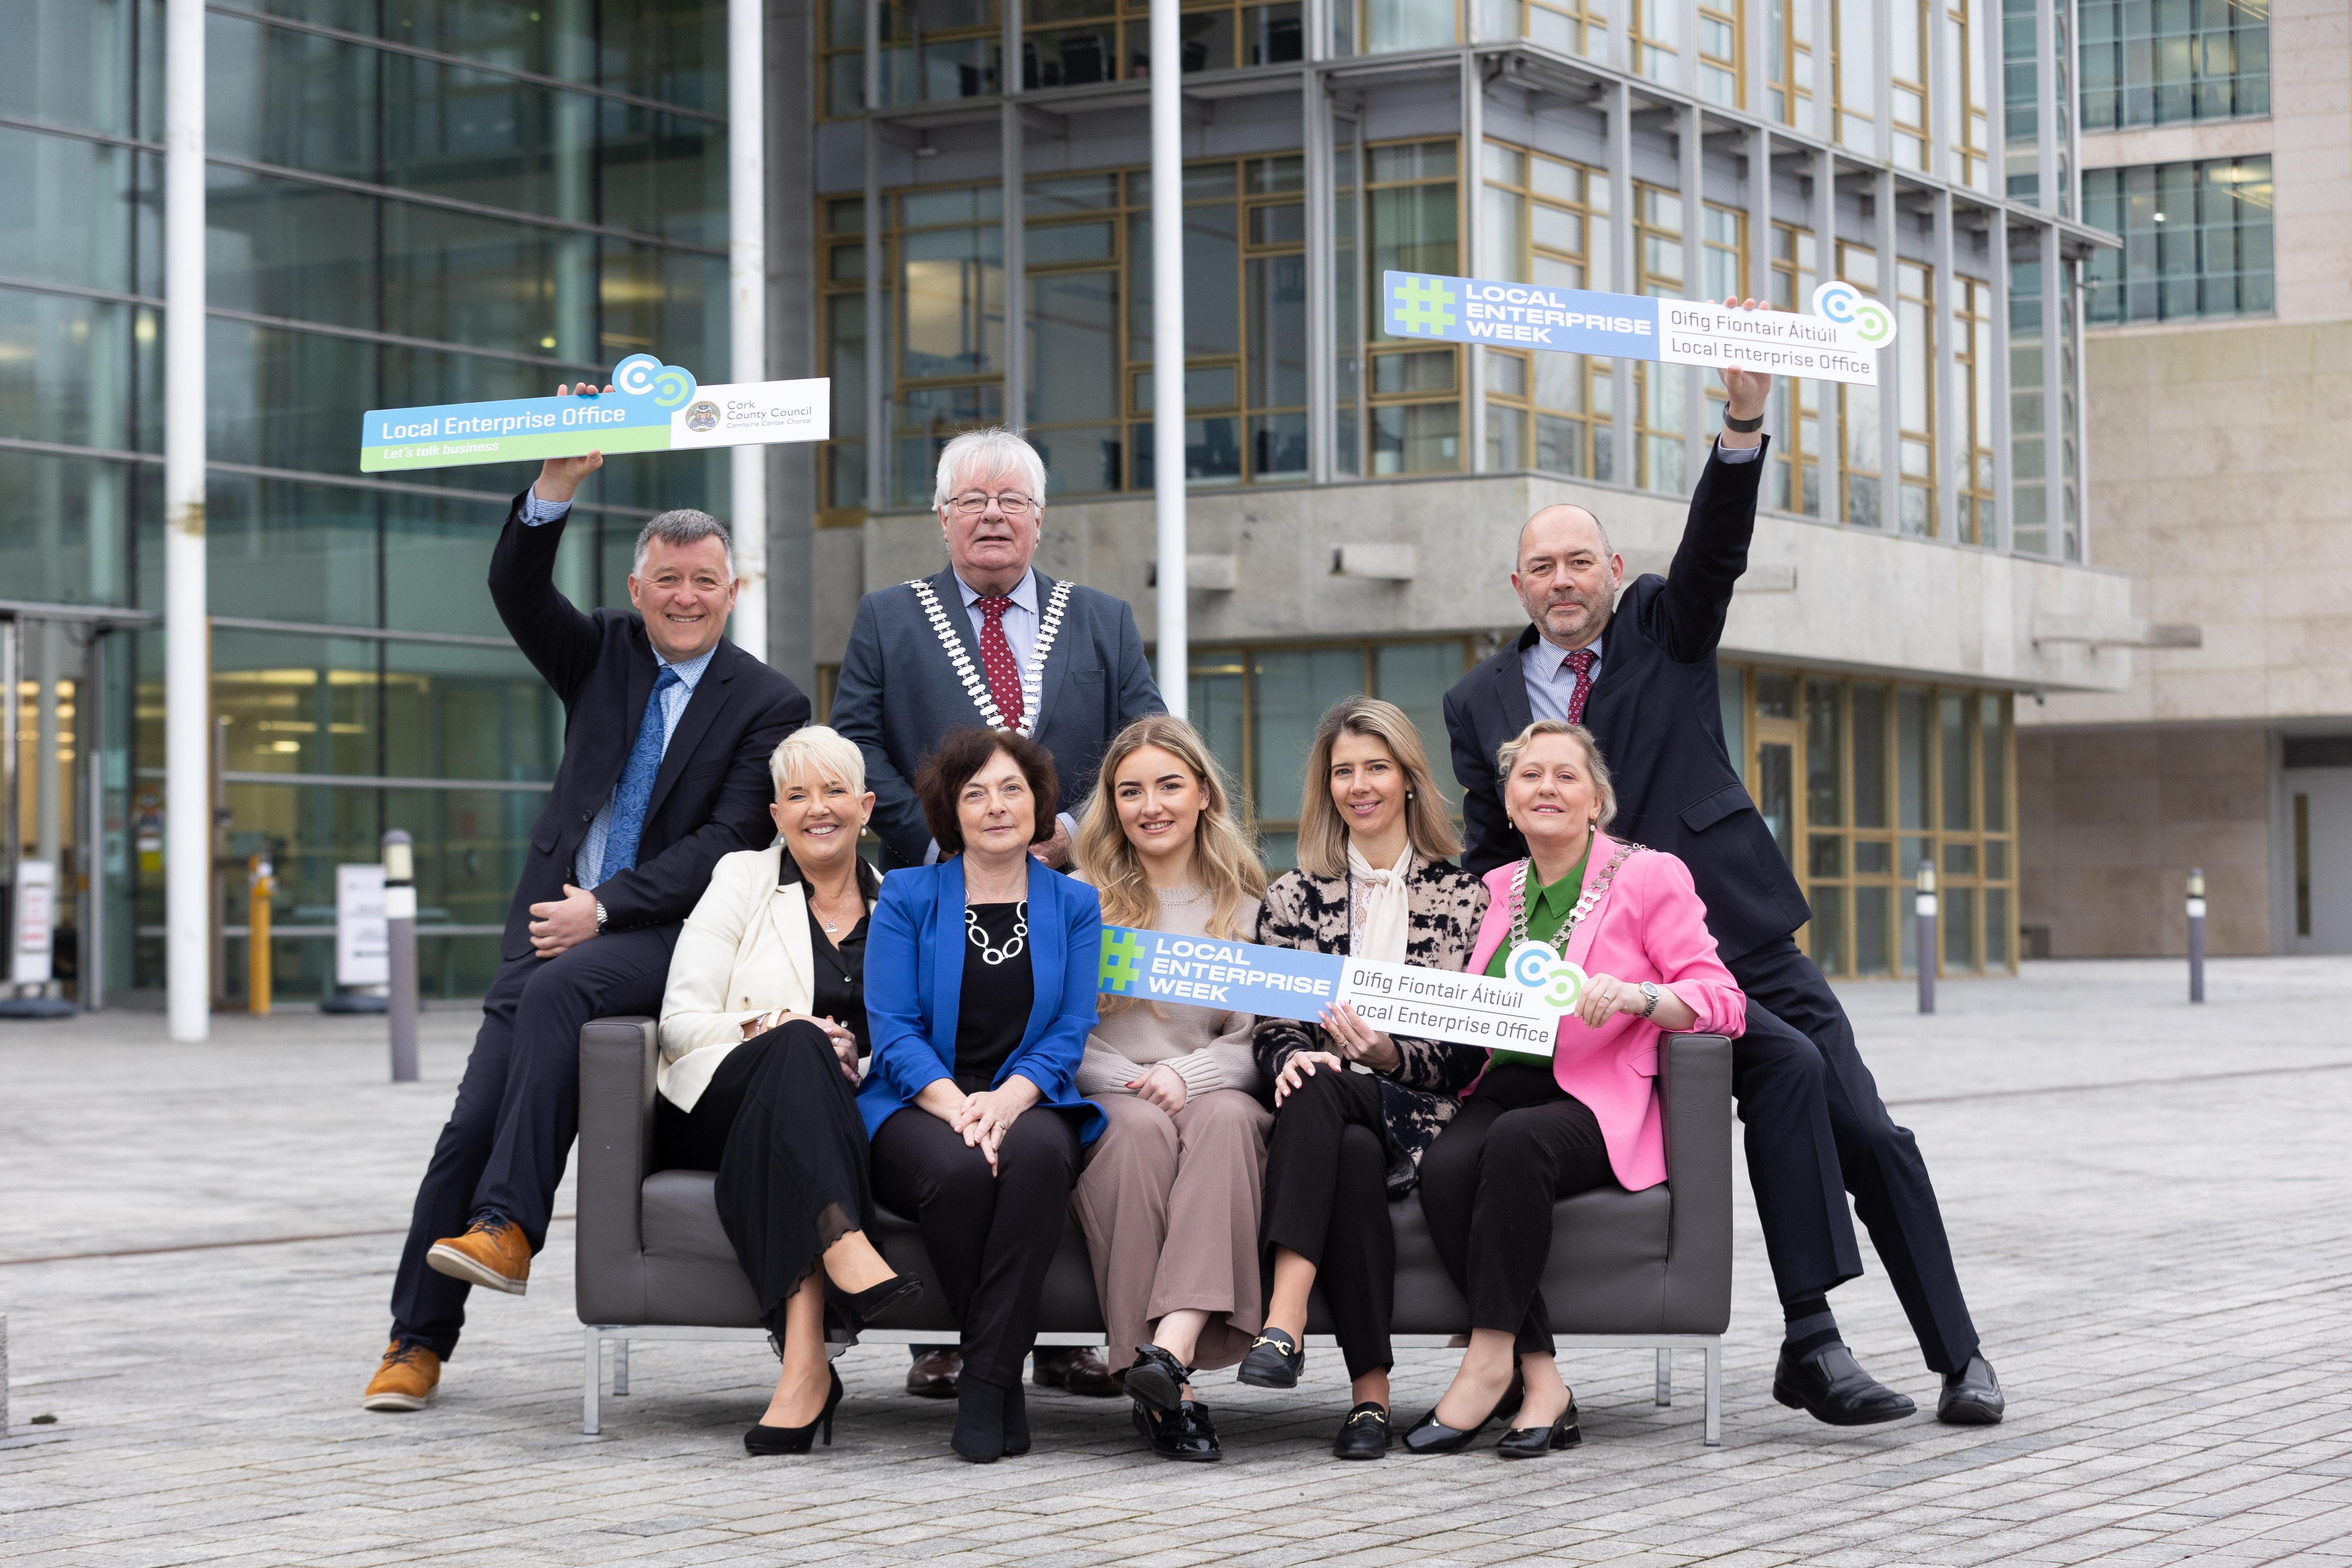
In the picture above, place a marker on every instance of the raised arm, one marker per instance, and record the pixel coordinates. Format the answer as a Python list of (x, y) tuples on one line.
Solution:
[(857, 714), (559, 641), (1687, 618)]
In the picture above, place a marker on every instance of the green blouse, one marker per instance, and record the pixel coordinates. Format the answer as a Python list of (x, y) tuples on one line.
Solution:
[(1549, 909)]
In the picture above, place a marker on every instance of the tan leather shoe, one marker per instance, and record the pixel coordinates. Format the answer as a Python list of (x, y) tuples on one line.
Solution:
[(492, 1252), (404, 1380)]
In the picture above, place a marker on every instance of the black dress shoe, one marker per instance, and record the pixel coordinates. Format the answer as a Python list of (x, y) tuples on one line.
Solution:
[(979, 1434), (1534, 1442), (864, 1306), (1830, 1385), (1430, 1435), (1275, 1361), (933, 1374), (1971, 1396), (1364, 1434), (1079, 1369), (1157, 1380), (765, 1440), (1183, 1432)]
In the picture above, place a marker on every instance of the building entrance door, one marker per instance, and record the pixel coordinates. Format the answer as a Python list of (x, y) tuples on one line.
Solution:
[(2319, 859), (65, 807)]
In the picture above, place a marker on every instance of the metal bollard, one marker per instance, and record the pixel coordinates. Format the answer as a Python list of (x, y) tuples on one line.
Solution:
[(2196, 933), (1925, 908), (260, 887), (399, 941)]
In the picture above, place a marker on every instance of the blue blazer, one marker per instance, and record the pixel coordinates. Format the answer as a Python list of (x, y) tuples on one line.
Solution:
[(914, 949)]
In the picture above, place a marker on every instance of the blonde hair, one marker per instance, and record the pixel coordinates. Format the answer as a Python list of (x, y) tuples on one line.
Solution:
[(1322, 836), (1224, 855), (1506, 757), (815, 749)]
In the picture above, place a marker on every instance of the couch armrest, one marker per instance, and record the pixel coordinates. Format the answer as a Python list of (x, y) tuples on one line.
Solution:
[(618, 1060), (1694, 1093)]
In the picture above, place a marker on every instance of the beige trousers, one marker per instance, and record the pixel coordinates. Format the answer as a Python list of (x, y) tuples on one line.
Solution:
[(1170, 1205)]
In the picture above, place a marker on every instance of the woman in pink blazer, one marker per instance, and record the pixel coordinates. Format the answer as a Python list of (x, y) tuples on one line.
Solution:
[(1534, 1129)]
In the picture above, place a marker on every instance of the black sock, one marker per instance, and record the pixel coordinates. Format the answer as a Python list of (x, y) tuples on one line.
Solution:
[(1811, 1325)]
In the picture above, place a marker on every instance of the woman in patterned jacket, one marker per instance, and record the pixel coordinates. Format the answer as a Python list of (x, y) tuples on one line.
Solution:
[(1354, 1107)]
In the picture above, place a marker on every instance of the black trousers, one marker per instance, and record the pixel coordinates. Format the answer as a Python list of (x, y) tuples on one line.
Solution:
[(779, 1122), (990, 1235), (1516, 1146), (1327, 1199), (1817, 1130), (508, 1138)]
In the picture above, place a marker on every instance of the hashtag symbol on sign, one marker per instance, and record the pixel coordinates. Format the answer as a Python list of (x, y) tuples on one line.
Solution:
[(1122, 962), (1423, 307)]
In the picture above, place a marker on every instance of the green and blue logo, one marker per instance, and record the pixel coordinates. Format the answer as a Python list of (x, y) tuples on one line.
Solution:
[(1421, 306), (1122, 961)]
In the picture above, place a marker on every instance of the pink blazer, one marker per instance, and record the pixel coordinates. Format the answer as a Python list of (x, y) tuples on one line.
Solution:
[(1650, 925)]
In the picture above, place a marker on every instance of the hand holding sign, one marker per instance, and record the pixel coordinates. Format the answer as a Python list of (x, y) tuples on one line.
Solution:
[(1358, 1041), (1745, 391), (560, 478)]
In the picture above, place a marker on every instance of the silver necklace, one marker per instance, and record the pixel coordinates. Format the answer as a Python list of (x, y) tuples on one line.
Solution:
[(992, 956), (1033, 675), (1522, 891)]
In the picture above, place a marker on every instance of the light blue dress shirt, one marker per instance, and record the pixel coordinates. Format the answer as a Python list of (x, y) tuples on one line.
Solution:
[(1020, 620)]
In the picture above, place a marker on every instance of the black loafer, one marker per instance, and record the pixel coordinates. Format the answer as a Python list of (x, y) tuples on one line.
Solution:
[(1430, 1435), (1364, 1434), (1183, 1432), (1273, 1361), (1830, 1385), (1157, 1380), (1971, 1396), (1534, 1442)]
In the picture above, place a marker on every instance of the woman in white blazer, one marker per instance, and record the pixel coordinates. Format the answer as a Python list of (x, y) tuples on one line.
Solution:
[(762, 1025)]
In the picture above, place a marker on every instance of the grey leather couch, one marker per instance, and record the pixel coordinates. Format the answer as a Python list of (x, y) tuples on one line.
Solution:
[(1647, 1270)]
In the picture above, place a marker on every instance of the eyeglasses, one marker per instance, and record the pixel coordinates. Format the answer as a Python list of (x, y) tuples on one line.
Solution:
[(975, 503)]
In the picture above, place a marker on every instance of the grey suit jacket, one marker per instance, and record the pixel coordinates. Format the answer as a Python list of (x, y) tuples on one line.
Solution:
[(898, 695)]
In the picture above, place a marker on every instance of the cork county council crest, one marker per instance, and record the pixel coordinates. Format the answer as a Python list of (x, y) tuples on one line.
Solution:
[(703, 416)]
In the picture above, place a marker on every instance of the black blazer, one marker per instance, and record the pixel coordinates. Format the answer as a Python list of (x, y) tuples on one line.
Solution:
[(1653, 711), (710, 798)]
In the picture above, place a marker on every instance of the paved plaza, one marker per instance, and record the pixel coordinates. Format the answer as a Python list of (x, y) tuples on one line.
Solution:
[(2152, 1207)]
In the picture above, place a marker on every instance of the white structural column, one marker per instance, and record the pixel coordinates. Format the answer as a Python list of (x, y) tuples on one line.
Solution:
[(1314, 109), (1953, 453), (1624, 470), (1167, 352), (2053, 386), (1890, 366), (878, 332), (1829, 461), (1474, 259), (1013, 159), (188, 655), (1691, 139), (747, 304), (2003, 536), (1757, 284)]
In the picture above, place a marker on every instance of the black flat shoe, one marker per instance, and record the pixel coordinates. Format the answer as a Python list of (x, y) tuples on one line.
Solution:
[(1157, 1380), (1430, 1435), (1830, 1385), (1971, 1396), (1364, 1434), (766, 1441), (1183, 1432), (1275, 1361), (864, 1306), (1534, 1442)]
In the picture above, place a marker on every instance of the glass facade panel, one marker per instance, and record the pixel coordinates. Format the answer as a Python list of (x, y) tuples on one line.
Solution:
[(2159, 62), (2197, 241)]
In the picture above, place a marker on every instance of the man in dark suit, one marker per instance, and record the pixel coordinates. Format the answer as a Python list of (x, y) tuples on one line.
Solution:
[(994, 641), (667, 732), (1640, 673)]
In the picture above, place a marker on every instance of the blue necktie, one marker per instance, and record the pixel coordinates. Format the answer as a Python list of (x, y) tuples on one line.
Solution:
[(637, 785)]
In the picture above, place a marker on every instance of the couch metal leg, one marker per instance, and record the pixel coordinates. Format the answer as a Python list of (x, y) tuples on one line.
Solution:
[(1665, 1378), (620, 1367), (1714, 1394), (592, 1380)]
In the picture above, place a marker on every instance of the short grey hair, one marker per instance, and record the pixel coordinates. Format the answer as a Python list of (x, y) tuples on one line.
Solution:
[(819, 752), (682, 527), (1604, 789), (988, 451)]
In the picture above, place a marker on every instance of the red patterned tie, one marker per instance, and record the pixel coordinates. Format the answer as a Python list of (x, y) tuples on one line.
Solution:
[(996, 658), (1579, 661)]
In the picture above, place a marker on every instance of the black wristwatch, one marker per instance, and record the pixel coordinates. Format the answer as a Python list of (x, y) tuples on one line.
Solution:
[(1745, 427)]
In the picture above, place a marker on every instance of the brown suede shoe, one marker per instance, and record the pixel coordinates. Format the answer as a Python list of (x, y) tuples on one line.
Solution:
[(404, 1380), (1080, 1369), (933, 1374), (492, 1252)]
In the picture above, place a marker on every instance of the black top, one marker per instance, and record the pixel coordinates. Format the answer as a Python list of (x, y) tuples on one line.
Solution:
[(999, 988), (1653, 711), (840, 990)]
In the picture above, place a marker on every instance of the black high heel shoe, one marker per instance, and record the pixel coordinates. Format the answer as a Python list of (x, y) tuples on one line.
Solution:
[(764, 1440), (864, 1306), (1430, 1435), (1534, 1442)]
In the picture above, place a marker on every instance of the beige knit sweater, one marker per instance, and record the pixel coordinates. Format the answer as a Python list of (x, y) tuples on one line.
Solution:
[(1208, 1048)]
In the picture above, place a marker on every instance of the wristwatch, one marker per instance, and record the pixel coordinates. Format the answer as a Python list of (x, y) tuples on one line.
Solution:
[(600, 914), (1652, 992), (1745, 427)]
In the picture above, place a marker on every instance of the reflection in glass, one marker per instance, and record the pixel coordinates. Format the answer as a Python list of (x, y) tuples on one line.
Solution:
[(1294, 686), (1775, 794), (1825, 936), (1824, 754)]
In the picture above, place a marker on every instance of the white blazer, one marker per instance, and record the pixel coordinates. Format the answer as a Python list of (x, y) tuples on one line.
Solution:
[(743, 950)]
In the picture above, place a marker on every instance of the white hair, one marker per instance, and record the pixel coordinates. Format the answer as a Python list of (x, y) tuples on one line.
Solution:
[(988, 451), (817, 752)]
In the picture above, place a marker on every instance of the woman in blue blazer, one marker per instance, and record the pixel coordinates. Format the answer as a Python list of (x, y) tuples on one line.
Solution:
[(981, 976)]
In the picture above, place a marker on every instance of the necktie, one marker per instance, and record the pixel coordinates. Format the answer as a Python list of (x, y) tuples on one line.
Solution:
[(996, 658), (636, 786), (1579, 661)]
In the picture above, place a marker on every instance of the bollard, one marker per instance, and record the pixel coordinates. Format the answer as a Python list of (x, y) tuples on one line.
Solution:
[(1925, 907), (260, 887), (2196, 933), (400, 942)]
